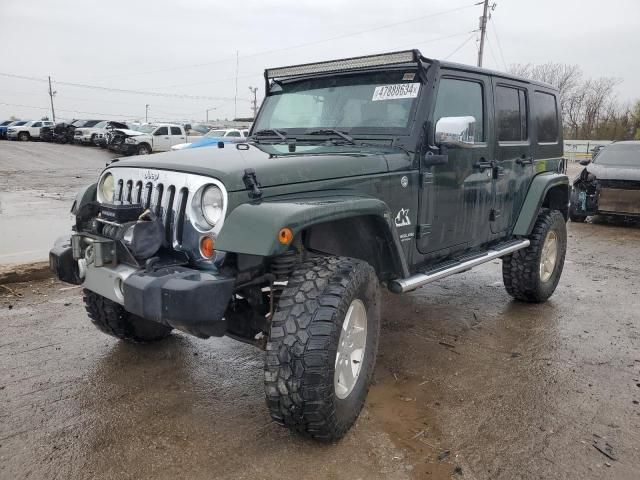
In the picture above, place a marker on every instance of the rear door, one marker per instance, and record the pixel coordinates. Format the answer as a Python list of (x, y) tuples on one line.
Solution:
[(514, 162), (161, 139), (455, 198), (177, 136)]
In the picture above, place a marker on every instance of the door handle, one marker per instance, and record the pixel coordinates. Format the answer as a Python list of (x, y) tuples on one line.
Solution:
[(523, 160), (483, 164), (166, 138)]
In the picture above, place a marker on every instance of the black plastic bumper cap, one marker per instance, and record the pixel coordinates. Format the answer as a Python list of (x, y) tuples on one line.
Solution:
[(189, 300)]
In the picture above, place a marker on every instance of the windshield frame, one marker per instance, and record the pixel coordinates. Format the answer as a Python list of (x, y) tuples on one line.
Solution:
[(352, 131)]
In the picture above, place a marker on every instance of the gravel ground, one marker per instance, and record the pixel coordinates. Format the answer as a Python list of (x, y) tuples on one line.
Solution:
[(468, 384)]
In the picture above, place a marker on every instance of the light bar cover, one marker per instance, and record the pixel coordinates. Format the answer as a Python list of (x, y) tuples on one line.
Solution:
[(407, 56)]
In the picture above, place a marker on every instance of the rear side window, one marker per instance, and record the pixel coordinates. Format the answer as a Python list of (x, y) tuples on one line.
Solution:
[(175, 131), (233, 134), (546, 114), (461, 98), (511, 113)]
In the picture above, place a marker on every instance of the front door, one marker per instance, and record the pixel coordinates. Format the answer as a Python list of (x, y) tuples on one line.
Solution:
[(514, 162), (455, 198), (161, 140)]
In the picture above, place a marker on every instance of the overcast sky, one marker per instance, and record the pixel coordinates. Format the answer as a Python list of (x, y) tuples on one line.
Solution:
[(189, 48)]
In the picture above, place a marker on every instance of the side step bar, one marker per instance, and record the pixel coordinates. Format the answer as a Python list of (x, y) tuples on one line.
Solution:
[(403, 285)]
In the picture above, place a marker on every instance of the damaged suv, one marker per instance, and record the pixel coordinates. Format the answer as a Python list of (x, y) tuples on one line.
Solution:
[(610, 184), (390, 170)]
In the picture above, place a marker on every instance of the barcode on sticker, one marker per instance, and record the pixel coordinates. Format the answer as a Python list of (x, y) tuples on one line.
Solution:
[(400, 90)]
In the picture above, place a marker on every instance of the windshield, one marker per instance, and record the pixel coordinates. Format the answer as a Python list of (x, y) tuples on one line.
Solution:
[(620, 154), (372, 102), (5, 123), (215, 133), (145, 128), (91, 123), (101, 124)]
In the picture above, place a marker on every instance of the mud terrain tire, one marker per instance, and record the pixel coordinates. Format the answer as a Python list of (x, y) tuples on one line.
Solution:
[(303, 344), (521, 269), (109, 317)]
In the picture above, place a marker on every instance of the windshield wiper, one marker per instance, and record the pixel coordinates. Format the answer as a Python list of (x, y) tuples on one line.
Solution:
[(273, 132), (330, 131)]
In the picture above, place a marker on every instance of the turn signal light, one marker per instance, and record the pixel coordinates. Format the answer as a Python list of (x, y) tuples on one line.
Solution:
[(207, 247), (285, 236)]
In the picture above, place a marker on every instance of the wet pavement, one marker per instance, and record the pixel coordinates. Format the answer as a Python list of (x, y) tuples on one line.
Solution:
[(38, 182), (469, 384)]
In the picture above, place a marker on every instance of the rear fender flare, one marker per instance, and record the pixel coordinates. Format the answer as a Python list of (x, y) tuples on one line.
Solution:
[(549, 190)]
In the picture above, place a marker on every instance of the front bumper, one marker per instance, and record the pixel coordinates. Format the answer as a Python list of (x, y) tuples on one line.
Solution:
[(12, 135), (190, 300)]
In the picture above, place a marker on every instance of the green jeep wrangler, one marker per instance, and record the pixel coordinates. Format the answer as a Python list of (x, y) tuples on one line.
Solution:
[(390, 170)]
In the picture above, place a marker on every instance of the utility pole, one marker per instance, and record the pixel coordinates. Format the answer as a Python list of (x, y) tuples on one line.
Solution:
[(254, 102), (235, 98), (486, 15), (51, 94), (146, 113)]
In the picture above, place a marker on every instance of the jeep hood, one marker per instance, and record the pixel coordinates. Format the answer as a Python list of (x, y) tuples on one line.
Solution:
[(272, 165), (612, 172)]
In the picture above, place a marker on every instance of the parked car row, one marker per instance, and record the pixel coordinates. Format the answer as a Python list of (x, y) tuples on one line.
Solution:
[(123, 138)]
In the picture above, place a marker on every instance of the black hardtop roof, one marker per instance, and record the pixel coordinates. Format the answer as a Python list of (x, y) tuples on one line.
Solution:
[(398, 58)]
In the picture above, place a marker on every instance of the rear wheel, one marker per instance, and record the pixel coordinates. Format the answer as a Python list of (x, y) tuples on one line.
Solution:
[(322, 347), (532, 274), (109, 317)]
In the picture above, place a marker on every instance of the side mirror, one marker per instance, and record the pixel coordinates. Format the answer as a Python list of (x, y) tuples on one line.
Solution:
[(585, 162), (455, 131)]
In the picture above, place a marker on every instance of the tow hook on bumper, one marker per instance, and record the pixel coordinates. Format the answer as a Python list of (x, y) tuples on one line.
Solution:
[(190, 300)]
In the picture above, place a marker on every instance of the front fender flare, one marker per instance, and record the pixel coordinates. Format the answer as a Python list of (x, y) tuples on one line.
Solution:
[(252, 228), (540, 186)]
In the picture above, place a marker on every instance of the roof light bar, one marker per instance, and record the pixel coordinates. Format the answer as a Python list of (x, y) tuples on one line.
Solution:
[(408, 56)]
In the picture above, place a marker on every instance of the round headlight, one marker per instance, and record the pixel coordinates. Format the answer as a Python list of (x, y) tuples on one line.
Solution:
[(211, 204), (107, 187)]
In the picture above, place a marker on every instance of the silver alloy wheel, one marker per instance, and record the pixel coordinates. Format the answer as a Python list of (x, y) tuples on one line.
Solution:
[(549, 256), (351, 349)]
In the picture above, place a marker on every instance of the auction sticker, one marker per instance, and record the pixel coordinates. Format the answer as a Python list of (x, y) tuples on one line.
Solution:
[(392, 92)]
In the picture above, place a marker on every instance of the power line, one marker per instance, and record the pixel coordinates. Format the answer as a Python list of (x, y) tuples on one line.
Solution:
[(492, 54), (117, 90), (107, 115), (473, 34), (301, 45), (495, 33)]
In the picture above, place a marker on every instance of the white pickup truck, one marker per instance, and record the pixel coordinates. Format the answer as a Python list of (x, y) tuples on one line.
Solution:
[(27, 131), (155, 137)]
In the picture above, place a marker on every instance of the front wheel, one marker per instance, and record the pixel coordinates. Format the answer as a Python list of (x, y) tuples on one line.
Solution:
[(23, 136), (322, 347), (532, 274), (109, 317), (144, 149)]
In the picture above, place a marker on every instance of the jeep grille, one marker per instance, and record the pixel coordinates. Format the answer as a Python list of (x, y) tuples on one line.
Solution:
[(169, 195)]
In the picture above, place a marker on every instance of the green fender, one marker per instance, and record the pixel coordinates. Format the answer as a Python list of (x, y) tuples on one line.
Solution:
[(540, 186), (252, 228)]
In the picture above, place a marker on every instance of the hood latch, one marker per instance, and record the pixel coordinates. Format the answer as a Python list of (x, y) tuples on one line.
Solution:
[(251, 182)]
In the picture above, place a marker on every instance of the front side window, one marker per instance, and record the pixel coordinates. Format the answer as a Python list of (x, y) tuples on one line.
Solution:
[(369, 102), (161, 131), (546, 112), (511, 114), (461, 98)]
